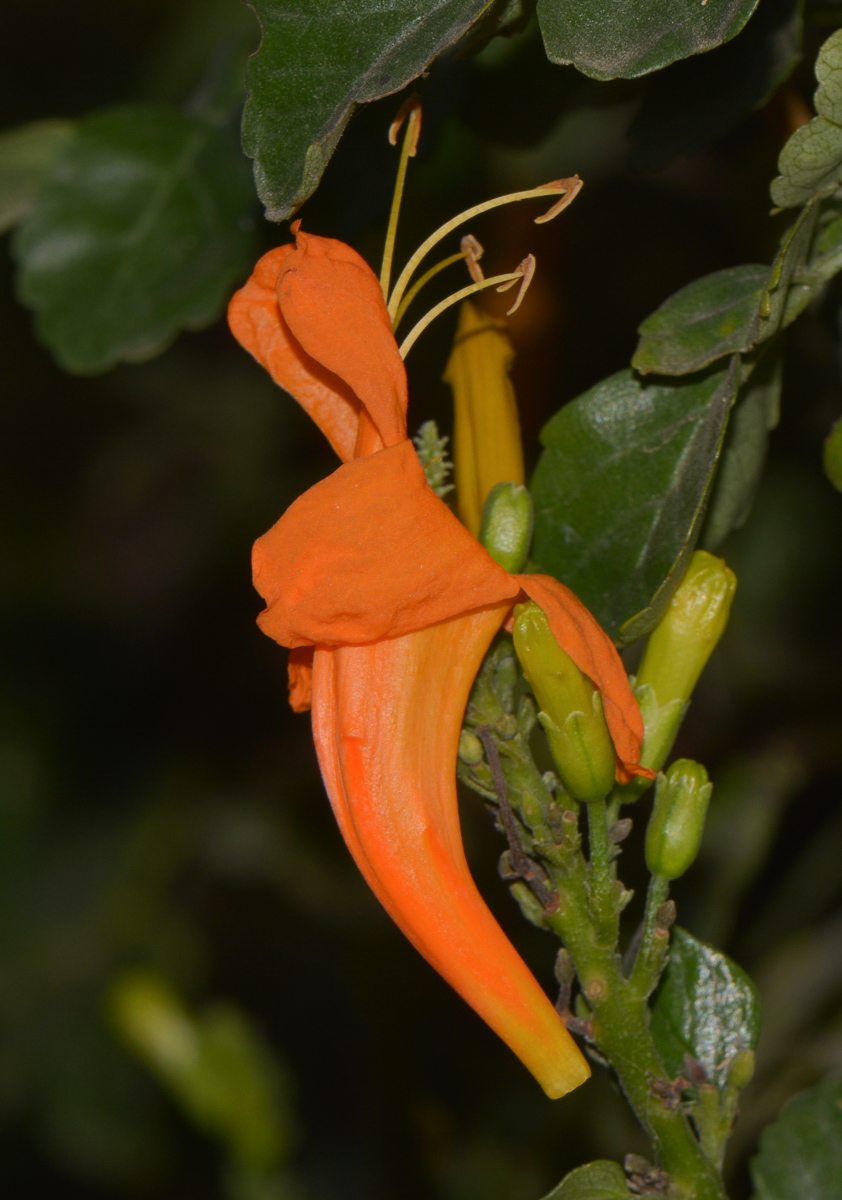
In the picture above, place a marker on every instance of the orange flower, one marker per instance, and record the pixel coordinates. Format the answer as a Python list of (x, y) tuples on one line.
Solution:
[(372, 571)]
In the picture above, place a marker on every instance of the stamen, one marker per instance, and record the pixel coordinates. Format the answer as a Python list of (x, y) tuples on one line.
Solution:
[(410, 112), (473, 253), (425, 278), (470, 250), (523, 273), (527, 269), (566, 189)]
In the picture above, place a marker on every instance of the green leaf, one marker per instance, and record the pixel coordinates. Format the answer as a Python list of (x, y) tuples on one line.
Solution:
[(25, 155), (756, 412), (316, 63), (142, 226), (706, 1006), (811, 161), (801, 1153), (620, 491), (727, 312), (602, 1180), (823, 262), (610, 38), (711, 317), (694, 102)]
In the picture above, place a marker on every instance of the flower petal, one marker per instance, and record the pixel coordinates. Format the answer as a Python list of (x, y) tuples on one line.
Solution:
[(255, 318), (332, 302), (300, 670), (368, 553), (582, 637), (386, 722)]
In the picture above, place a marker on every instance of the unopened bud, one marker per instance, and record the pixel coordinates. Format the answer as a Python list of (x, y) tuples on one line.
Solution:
[(487, 447), (470, 748), (678, 818), (571, 708), (677, 651), (506, 529), (683, 640), (741, 1070)]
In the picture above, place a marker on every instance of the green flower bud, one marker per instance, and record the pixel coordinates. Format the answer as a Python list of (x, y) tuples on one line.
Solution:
[(506, 529), (685, 637), (571, 708), (676, 654), (741, 1071), (678, 818)]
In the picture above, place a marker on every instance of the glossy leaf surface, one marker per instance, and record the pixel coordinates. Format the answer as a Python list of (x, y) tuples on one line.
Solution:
[(620, 491), (142, 227), (610, 38), (602, 1180), (801, 1153), (316, 63), (706, 1007)]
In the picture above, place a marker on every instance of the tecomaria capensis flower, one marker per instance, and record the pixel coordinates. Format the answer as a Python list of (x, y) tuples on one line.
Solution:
[(372, 581)]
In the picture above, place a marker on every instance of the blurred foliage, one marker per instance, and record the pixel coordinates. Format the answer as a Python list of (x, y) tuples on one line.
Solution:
[(161, 810)]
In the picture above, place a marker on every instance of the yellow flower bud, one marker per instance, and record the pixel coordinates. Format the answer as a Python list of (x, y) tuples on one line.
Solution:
[(487, 447), (676, 654), (682, 642), (571, 708)]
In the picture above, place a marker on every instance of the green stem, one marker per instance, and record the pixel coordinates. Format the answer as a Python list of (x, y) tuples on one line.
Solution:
[(603, 900), (654, 943), (620, 1030)]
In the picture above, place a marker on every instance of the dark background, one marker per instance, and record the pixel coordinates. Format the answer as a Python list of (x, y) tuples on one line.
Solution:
[(159, 804)]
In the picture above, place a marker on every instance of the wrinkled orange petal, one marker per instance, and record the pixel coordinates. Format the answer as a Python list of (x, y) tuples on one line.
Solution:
[(300, 670), (332, 302), (386, 722), (582, 637), (256, 322), (368, 553)]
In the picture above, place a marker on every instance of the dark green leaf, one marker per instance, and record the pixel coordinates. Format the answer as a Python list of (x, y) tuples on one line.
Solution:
[(706, 1006), (726, 312), (744, 452), (316, 63), (711, 317), (801, 1153), (824, 261), (25, 155), (601, 1180), (142, 226), (811, 161), (620, 491), (694, 102), (610, 38), (795, 244)]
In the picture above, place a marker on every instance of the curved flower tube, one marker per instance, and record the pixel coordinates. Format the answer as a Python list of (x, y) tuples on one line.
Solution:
[(388, 605)]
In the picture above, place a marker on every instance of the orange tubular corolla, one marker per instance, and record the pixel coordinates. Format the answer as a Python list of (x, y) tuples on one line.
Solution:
[(388, 605)]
